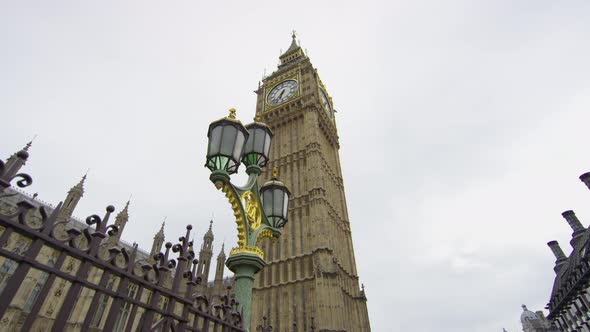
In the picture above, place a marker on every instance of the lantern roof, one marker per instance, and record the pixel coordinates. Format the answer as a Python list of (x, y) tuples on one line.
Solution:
[(231, 118), (274, 181), (261, 124)]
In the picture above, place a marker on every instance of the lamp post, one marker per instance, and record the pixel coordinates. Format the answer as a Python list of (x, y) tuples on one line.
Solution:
[(259, 212)]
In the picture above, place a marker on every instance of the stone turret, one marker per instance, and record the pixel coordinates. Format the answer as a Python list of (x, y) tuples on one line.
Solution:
[(220, 265), (12, 166), (218, 287), (158, 241), (15, 161), (71, 201), (120, 220), (208, 238), (205, 255)]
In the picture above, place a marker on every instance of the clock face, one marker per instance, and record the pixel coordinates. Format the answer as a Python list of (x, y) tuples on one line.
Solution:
[(325, 102), (282, 92)]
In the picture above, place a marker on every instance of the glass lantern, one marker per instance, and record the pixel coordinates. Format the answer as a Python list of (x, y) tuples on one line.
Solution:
[(226, 143), (257, 146), (275, 201)]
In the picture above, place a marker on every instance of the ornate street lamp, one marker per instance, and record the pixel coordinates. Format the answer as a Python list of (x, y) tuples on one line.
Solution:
[(260, 213), (226, 142)]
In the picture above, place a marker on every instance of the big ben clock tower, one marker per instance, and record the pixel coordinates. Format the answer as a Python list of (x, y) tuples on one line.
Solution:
[(311, 276)]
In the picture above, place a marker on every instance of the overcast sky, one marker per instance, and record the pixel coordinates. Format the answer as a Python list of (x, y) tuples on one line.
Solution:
[(464, 122)]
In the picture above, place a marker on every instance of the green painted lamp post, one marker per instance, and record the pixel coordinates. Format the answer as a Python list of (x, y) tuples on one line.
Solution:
[(259, 212)]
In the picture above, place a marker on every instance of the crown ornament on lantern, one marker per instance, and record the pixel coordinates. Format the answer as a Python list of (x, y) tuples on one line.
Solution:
[(232, 113)]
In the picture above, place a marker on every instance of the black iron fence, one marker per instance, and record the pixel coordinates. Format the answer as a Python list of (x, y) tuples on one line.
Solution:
[(56, 278)]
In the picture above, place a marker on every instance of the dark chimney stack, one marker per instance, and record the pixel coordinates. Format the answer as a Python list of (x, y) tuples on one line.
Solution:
[(572, 220), (554, 245), (586, 179), (559, 255), (576, 226)]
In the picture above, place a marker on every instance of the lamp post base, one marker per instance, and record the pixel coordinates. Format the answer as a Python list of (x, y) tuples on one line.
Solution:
[(244, 266)]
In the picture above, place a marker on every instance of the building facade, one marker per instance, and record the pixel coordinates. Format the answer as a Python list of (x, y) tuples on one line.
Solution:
[(310, 280), (569, 303), (40, 294)]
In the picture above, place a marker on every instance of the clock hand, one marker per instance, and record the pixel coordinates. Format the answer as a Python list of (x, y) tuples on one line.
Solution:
[(281, 95)]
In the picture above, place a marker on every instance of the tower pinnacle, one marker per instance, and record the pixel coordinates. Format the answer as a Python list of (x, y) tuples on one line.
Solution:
[(80, 185), (121, 221), (160, 233), (293, 54), (158, 241), (209, 234), (205, 254), (220, 267), (26, 148), (221, 252), (293, 45), (74, 195), (14, 162)]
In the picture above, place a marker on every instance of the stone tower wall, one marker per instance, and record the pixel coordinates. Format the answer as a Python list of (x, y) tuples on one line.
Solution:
[(311, 269)]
